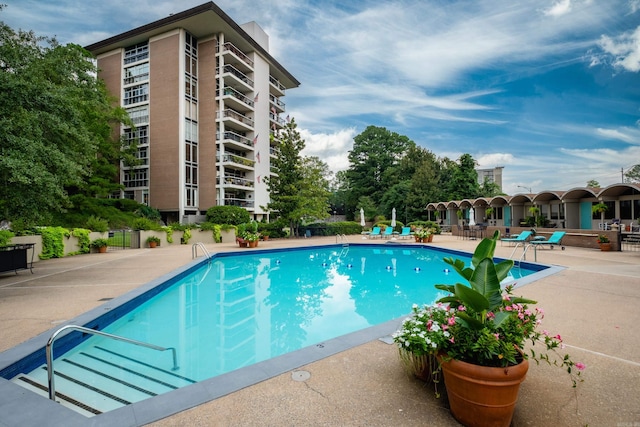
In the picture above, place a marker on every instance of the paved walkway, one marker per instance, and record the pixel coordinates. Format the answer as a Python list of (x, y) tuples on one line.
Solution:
[(593, 303)]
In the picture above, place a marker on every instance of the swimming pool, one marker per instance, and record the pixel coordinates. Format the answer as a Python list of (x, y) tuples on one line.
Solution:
[(263, 306)]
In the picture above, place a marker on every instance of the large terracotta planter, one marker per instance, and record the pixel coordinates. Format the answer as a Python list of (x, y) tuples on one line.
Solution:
[(605, 247), (481, 396)]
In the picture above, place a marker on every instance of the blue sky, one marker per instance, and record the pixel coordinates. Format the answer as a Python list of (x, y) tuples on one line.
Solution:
[(549, 89)]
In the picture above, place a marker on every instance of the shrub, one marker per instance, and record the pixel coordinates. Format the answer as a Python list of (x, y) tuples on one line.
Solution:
[(95, 223), (5, 237), (52, 243), (233, 215), (145, 224), (83, 239)]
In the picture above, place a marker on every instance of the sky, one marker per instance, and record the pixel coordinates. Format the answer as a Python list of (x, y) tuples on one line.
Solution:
[(548, 89)]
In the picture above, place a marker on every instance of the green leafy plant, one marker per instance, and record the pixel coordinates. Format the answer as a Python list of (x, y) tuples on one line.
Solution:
[(153, 239), (99, 243), (603, 238), (52, 242), (487, 325), (5, 237), (186, 236), (95, 223), (82, 234)]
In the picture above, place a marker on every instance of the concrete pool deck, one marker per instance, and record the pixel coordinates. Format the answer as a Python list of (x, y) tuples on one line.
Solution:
[(593, 303)]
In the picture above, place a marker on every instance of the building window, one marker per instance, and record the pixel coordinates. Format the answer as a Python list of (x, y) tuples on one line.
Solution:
[(139, 135), (139, 115), (136, 178), (136, 94), (136, 53), (137, 73)]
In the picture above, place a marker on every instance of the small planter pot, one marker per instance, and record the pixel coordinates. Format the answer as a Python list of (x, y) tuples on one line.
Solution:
[(253, 244), (481, 396), (605, 247), (102, 249), (152, 244)]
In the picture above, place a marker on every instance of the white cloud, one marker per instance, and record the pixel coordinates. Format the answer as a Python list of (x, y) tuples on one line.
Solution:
[(625, 49), (494, 160), (561, 7), (624, 134), (332, 148)]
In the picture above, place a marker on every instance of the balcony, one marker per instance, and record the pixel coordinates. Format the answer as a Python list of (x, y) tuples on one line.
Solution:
[(276, 87), (276, 120), (233, 74), (235, 56), (236, 99), (276, 104), (234, 182), (238, 141), (233, 201), (236, 120), (236, 162)]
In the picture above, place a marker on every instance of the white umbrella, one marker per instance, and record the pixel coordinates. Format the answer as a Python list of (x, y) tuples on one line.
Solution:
[(472, 217), (362, 222), (393, 217)]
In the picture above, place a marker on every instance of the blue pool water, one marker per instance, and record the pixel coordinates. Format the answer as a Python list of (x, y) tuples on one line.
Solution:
[(242, 309)]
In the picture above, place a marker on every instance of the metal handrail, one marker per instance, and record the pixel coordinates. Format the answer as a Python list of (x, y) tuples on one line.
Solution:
[(49, 351), (343, 239), (194, 250)]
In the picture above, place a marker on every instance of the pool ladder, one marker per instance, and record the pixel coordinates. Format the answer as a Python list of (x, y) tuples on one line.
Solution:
[(54, 336), (194, 251), (342, 238)]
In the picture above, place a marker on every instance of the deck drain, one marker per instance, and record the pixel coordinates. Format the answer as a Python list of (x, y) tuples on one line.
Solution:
[(300, 375)]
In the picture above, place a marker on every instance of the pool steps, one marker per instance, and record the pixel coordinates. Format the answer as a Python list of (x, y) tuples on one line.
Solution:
[(98, 380)]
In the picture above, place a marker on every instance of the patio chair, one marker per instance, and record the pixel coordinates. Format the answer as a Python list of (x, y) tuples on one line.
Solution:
[(375, 232), (387, 232), (520, 239), (554, 240), (406, 233)]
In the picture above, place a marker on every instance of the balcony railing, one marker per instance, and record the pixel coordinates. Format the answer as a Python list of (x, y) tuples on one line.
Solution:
[(232, 201), (277, 119), (276, 101), (229, 91), (234, 180), (231, 158), (233, 70), (237, 116), (229, 47), (232, 136), (276, 83)]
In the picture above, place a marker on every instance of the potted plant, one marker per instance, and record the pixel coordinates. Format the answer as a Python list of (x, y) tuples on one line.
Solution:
[(600, 208), (603, 241), (153, 241), (478, 333), (100, 245), (252, 238)]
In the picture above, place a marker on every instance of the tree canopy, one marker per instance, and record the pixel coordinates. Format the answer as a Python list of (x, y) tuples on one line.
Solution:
[(55, 118)]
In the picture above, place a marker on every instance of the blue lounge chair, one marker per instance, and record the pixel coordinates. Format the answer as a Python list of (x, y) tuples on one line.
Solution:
[(375, 232), (387, 232), (406, 233), (554, 240), (521, 238)]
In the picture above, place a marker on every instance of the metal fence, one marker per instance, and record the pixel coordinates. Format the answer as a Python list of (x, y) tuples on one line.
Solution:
[(124, 239)]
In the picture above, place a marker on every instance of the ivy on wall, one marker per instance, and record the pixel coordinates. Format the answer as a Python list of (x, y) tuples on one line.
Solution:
[(52, 242)]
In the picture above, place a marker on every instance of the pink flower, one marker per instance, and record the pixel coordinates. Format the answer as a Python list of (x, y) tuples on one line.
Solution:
[(545, 332), (461, 308), (558, 337), (451, 321), (451, 340), (507, 298), (497, 336), (580, 366), (527, 312), (508, 308), (491, 315)]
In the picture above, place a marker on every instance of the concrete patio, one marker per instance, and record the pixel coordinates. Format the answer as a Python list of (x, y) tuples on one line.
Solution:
[(593, 303)]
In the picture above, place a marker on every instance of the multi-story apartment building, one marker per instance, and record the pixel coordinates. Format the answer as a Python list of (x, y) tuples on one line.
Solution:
[(204, 94)]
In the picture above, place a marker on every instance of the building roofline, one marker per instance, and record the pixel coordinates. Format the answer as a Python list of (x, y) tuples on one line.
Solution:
[(160, 25)]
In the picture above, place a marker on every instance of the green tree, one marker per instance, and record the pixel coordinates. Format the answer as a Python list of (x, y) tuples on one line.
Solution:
[(490, 188), (54, 118), (373, 165), (633, 174), (286, 200), (464, 180), (314, 190), (593, 184), (339, 187)]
